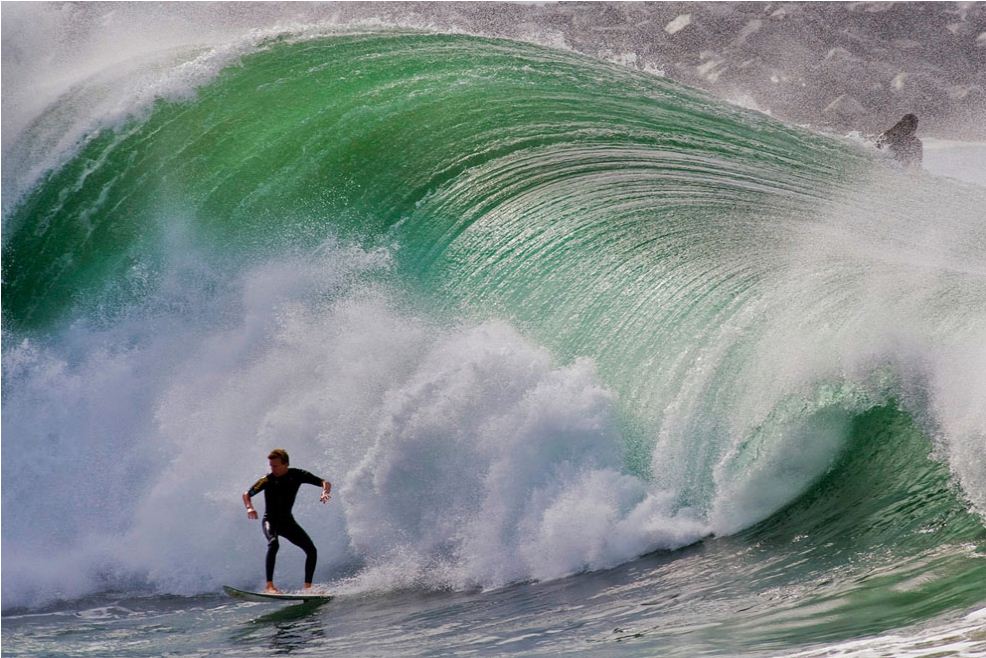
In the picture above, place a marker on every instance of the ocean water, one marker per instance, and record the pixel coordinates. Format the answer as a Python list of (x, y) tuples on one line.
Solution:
[(598, 364)]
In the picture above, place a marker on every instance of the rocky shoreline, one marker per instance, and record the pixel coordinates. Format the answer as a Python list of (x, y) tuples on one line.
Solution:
[(835, 66)]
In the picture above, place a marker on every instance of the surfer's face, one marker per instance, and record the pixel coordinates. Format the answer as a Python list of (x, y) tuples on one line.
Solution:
[(277, 467)]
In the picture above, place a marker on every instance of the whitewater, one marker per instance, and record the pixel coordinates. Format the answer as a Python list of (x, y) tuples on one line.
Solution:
[(597, 363)]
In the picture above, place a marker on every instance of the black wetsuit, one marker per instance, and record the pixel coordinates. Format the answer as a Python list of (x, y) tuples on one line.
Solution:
[(279, 495), (902, 142)]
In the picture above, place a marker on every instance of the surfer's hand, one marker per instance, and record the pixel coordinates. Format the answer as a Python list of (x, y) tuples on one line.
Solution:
[(324, 497), (251, 513)]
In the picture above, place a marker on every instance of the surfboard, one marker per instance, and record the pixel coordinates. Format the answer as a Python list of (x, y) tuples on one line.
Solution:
[(265, 597)]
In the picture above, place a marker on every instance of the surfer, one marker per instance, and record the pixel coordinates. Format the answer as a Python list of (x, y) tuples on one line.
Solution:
[(902, 143), (280, 488)]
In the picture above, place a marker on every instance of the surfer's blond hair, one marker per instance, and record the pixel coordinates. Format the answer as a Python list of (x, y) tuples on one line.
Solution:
[(279, 453)]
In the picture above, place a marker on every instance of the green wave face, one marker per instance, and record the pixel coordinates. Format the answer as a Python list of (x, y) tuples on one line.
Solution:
[(692, 250), (608, 213), (443, 136), (881, 541)]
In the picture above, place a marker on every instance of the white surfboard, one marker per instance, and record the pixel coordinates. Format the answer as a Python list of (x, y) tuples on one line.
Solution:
[(265, 597)]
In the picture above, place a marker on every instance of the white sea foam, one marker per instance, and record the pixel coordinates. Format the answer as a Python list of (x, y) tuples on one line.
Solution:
[(463, 455)]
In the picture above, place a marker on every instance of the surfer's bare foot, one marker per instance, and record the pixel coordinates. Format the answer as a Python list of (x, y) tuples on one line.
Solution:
[(270, 589), (308, 585)]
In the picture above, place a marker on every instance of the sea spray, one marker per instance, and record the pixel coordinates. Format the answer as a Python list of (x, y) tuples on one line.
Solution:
[(500, 467)]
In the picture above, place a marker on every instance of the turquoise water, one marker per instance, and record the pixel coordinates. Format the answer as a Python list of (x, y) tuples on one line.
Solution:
[(597, 363)]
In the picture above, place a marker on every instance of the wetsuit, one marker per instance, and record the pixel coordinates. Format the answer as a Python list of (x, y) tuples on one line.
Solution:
[(279, 495), (902, 142)]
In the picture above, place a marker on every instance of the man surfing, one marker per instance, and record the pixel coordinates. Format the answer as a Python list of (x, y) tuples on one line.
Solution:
[(902, 142), (280, 488)]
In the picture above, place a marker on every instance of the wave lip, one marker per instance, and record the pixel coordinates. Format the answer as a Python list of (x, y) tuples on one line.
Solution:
[(361, 142)]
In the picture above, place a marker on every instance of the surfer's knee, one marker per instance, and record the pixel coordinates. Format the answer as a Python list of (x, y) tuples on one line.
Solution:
[(308, 546)]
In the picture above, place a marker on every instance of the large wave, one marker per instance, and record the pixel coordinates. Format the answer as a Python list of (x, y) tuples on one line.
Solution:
[(534, 313)]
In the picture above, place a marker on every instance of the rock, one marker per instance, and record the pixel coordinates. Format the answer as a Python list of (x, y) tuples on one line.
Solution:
[(678, 24)]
